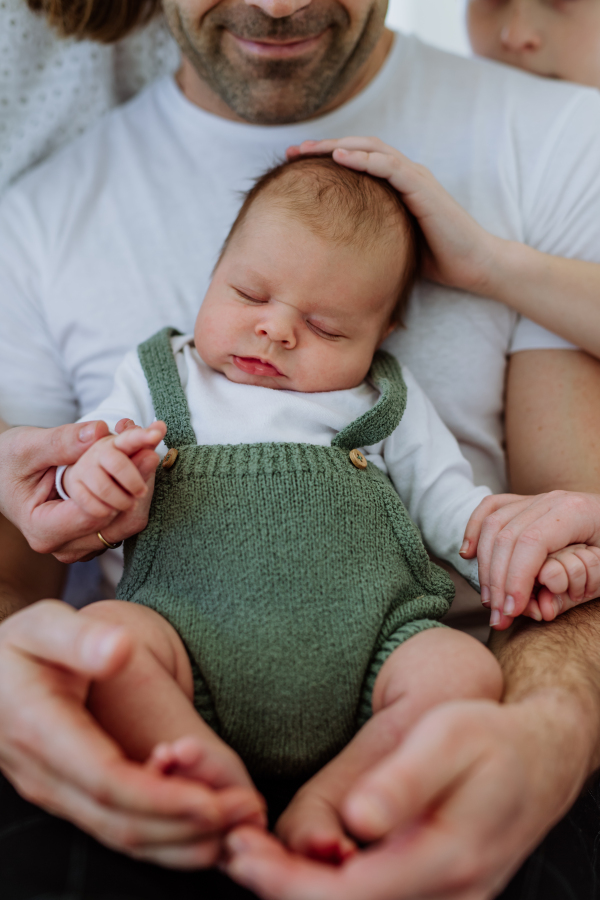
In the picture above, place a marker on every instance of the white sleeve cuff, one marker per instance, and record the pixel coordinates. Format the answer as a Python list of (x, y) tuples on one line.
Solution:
[(60, 471), (530, 336)]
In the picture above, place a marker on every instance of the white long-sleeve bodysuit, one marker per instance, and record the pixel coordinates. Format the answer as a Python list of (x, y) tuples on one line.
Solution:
[(421, 457)]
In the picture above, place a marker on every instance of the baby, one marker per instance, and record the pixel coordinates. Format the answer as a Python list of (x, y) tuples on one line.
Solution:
[(280, 589)]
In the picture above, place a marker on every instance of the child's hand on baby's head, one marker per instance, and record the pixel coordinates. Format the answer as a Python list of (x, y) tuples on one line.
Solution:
[(106, 478), (458, 250)]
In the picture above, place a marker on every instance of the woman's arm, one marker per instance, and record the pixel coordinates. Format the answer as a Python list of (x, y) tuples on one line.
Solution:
[(562, 295)]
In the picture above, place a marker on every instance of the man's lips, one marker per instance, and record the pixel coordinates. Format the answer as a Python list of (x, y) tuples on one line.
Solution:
[(251, 365), (277, 49)]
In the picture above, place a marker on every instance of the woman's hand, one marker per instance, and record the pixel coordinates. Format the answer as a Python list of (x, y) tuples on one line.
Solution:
[(459, 253), (552, 538)]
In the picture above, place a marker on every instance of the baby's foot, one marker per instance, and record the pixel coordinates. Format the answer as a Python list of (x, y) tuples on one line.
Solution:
[(211, 762), (311, 826), (219, 768)]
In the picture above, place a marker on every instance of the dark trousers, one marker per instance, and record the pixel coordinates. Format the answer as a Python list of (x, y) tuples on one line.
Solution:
[(45, 858)]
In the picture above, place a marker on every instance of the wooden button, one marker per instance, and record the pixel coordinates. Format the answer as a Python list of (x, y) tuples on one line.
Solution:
[(170, 458), (357, 459)]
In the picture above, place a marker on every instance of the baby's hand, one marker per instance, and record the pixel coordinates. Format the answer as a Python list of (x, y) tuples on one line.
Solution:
[(551, 540), (459, 252), (106, 478), (567, 578)]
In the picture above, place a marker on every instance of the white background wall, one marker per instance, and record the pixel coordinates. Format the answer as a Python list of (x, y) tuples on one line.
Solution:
[(439, 22)]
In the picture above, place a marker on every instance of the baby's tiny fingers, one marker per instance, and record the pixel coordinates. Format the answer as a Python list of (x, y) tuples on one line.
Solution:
[(532, 610), (133, 439), (87, 501), (575, 570), (101, 484), (123, 424), (554, 576), (123, 472)]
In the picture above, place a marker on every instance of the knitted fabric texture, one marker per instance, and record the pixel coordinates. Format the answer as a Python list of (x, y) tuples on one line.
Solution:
[(289, 574)]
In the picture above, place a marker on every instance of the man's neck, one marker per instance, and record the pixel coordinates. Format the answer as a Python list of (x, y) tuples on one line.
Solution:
[(198, 91)]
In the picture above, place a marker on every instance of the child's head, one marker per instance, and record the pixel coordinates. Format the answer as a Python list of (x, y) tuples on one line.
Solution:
[(315, 273), (555, 38)]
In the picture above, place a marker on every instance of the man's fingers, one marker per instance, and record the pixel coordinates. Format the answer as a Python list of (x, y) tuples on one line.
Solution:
[(399, 791), (63, 445), (193, 855), (54, 633), (261, 863)]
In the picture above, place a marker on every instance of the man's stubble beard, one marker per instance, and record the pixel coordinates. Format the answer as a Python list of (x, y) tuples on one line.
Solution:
[(276, 92)]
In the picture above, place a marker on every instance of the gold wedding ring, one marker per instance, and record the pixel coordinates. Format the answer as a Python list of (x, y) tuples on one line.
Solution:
[(107, 544)]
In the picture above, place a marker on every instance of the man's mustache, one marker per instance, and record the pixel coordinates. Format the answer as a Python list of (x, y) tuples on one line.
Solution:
[(251, 23)]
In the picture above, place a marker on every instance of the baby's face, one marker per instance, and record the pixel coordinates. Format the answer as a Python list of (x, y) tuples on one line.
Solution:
[(289, 310), (554, 38)]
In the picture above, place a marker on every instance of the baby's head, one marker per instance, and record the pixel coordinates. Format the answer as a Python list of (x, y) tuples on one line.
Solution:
[(555, 38), (314, 274)]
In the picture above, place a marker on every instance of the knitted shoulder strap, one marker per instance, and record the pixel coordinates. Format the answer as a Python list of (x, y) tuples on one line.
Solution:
[(379, 421), (168, 397)]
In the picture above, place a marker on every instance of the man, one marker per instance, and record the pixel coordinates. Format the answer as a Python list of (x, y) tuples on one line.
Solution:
[(116, 238)]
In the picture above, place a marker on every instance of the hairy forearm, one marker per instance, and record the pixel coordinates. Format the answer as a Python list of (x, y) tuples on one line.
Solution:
[(555, 666), (562, 295)]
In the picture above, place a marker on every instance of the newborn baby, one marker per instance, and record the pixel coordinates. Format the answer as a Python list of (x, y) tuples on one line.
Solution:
[(285, 614)]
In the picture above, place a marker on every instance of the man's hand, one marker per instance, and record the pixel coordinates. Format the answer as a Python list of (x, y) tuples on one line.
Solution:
[(454, 810), (57, 756), (553, 538), (28, 460)]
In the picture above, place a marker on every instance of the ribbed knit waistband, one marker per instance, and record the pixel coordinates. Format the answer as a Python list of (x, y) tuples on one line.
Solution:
[(266, 459)]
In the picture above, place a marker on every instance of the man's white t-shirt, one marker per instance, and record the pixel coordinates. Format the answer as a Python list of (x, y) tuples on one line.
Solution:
[(116, 235)]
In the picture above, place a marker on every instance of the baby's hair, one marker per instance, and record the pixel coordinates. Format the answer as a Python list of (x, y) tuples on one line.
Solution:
[(343, 206)]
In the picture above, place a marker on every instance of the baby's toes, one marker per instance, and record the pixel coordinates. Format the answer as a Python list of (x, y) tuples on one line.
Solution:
[(312, 827), (162, 759), (209, 761)]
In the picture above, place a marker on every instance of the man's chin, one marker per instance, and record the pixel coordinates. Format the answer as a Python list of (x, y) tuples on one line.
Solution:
[(273, 92)]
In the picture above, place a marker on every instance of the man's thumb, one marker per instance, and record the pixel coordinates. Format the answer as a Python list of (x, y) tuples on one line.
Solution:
[(55, 634), (60, 446)]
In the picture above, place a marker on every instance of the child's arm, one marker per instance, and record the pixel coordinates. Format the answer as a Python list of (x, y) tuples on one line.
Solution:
[(553, 539), (463, 255)]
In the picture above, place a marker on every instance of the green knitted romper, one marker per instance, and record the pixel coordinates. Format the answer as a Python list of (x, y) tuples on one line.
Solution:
[(289, 573)]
